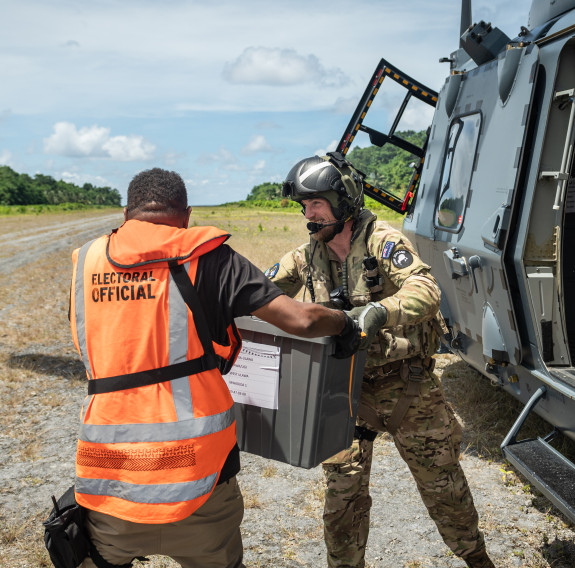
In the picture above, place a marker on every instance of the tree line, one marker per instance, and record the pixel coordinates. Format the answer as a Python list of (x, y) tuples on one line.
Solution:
[(22, 189), (387, 168)]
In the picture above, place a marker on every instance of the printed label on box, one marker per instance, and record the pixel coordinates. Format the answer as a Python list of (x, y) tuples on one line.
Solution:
[(254, 379)]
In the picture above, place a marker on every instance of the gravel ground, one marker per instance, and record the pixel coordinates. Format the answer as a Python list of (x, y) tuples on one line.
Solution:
[(41, 390)]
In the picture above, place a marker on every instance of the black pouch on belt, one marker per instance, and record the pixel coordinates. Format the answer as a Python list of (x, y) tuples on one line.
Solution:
[(64, 534)]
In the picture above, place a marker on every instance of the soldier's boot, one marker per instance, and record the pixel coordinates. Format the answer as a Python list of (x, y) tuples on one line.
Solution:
[(479, 559)]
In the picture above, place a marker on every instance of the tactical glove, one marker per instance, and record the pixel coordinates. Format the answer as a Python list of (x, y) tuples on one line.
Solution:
[(347, 342), (371, 318)]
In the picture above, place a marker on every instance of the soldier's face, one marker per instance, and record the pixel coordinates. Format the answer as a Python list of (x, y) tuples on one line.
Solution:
[(318, 210)]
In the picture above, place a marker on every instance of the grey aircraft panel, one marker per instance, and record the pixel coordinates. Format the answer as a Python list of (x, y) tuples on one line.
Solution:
[(474, 278), (538, 236)]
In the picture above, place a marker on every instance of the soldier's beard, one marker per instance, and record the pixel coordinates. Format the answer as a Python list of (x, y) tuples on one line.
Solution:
[(324, 231)]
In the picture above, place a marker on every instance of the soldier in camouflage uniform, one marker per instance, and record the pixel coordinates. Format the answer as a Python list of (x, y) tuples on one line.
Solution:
[(367, 267)]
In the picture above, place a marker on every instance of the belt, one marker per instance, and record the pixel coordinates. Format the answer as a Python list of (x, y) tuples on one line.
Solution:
[(412, 372), (414, 365), (418, 364), (389, 368)]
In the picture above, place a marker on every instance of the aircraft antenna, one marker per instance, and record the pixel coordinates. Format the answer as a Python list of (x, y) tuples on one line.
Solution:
[(465, 18)]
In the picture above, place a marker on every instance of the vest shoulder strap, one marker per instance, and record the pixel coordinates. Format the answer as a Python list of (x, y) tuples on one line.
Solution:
[(368, 231)]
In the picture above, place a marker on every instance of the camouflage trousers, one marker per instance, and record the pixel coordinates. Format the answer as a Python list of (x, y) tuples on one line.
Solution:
[(428, 440)]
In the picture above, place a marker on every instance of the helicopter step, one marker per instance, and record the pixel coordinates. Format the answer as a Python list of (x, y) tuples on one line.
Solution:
[(549, 471)]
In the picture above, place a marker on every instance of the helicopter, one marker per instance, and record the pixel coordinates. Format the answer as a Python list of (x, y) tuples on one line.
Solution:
[(491, 208)]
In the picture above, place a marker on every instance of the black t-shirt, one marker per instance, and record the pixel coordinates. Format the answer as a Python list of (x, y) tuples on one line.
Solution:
[(230, 286)]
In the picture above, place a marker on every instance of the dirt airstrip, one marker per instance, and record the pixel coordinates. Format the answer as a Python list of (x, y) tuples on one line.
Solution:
[(42, 386)]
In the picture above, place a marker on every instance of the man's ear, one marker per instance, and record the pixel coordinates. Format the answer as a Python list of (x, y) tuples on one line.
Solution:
[(187, 218), (125, 213)]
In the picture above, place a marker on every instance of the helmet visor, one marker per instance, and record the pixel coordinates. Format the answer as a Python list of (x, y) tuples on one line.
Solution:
[(297, 189)]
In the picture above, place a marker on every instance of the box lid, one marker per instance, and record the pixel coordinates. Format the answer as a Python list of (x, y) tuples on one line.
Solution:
[(252, 323)]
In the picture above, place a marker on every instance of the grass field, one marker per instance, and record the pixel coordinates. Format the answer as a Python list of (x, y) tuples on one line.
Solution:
[(39, 367), (262, 236)]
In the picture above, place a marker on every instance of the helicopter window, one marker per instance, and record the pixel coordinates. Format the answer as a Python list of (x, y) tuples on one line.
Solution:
[(457, 170)]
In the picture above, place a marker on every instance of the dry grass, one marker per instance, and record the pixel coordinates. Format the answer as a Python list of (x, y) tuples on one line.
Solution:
[(39, 297), (17, 548), (314, 498), (35, 347), (270, 471), (261, 236), (251, 500), (487, 412), (10, 224)]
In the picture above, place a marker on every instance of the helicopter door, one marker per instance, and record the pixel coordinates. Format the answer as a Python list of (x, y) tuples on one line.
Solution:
[(548, 258), (463, 216), (396, 199)]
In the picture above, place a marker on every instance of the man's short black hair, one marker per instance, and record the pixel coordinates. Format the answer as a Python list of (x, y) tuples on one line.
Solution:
[(157, 190)]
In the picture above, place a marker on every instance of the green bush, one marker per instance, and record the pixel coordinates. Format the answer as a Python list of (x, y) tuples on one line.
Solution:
[(21, 189), (6, 210)]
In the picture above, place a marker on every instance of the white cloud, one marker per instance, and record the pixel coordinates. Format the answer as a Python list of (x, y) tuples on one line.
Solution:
[(5, 158), (129, 148), (5, 115), (417, 119), (330, 148), (67, 141), (197, 182), (258, 143), (346, 106), (96, 142), (268, 125), (259, 166), (280, 67), (81, 179), (222, 157)]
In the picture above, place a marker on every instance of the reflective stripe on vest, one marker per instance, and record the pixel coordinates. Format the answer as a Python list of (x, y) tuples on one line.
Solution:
[(130, 466), (162, 432), (80, 307), (150, 494)]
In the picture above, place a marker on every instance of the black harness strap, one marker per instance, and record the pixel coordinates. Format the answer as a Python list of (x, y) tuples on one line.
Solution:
[(190, 296), (206, 362), (152, 376)]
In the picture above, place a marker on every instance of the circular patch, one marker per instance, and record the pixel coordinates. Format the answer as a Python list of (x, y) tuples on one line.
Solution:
[(402, 258), (272, 270)]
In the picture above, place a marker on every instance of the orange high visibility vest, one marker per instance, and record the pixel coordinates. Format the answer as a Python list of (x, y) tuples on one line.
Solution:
[(150, 453)]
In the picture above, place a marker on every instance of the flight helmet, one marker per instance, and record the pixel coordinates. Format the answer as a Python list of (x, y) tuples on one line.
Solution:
[(330, 177)]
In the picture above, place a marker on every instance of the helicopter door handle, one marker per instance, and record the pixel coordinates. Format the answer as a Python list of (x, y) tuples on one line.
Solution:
[(455, 263), (474, 263)]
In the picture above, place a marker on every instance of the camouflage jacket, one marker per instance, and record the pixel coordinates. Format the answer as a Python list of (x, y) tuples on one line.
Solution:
[(407, 289)]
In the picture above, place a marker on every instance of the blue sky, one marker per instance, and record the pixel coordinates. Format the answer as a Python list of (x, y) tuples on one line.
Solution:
[(229, 94)]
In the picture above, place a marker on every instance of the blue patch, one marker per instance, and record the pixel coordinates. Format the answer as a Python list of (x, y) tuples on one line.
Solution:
[(387, 249), (272, 270)]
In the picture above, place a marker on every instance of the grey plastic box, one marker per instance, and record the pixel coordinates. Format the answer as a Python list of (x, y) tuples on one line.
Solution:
[(317, 399)]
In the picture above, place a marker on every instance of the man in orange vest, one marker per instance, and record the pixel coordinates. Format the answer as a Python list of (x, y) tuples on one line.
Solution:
[(152, 312)]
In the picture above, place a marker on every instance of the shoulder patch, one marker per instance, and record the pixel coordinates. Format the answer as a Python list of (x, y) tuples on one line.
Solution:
[(402, 258), (272, 270), (387, 249)]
